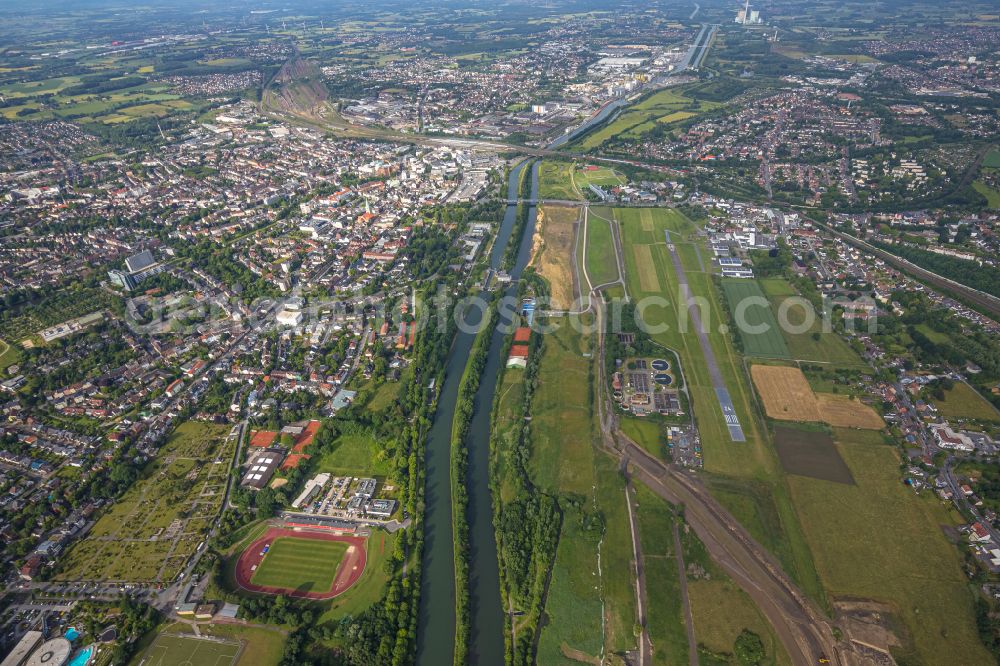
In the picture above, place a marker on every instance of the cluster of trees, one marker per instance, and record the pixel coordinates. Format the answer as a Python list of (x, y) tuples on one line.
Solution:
[(962, 344), (527, 526), (773, 262), (98, 84), (134, 620), (969, 273)]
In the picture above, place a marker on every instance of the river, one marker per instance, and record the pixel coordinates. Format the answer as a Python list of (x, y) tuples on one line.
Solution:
[(436, 625)]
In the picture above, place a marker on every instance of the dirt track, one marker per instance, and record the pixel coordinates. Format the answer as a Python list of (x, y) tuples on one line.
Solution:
[(348, 572)]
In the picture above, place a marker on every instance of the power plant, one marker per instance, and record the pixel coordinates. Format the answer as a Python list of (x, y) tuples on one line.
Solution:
[(747, 17)]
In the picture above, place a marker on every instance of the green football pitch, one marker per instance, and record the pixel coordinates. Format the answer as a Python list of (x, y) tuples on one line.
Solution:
[(300, 564), (177, 650)]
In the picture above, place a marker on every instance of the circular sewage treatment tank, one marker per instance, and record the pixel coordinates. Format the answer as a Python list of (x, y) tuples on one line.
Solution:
[(662, 378), (51, 653), (660, 365)]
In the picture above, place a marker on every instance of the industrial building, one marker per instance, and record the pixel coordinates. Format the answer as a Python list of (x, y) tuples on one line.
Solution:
[(262, 467)]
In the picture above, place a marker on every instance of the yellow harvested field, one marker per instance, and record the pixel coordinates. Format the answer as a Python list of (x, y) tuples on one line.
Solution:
[(785, 392), (843, 412), (674, 117), (648, 281), (787, 396), (553, 252)]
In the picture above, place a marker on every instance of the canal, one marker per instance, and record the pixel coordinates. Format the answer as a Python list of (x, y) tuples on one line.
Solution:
[(436, 626)]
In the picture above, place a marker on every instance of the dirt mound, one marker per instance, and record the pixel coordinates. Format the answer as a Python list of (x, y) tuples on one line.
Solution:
[(297, 88)]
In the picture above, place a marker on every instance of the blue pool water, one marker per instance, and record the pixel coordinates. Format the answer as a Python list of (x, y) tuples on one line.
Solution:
[(72, 634), (82, 657)]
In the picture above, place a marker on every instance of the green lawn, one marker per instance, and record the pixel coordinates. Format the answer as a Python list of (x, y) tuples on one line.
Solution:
[(309, 565), (665, 618), (586, 482), (753, 318), (646, 432), (573, 605), (354, 454), (992, 160), (817, 343), (602, 267), (179, 650), (991, 194), (370, 588), (561, 415), (9, 355), (964, 402), (555, 181), (907, 561), (665, 108)]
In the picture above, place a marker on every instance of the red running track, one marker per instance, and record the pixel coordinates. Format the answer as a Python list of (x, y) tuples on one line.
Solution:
[(351, 566)]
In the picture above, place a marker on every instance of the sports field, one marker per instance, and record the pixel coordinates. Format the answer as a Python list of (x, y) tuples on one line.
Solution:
[(309, 564), (178, 650), (299, 564), (753, 318)]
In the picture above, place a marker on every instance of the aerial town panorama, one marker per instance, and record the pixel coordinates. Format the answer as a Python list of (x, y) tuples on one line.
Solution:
[(434, 333)]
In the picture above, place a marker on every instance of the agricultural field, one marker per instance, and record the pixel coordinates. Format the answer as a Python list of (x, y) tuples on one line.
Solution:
[(555, 181), (553, 252), (810, 453), (816, 344), (150, 532), (787, 396), (601, 265), (909, 563), (300, 564), (964, 402), (754, 320), (180, 650)]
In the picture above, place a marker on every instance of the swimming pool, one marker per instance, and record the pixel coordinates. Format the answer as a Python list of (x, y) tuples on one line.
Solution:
[(72, 634), (82, 657)]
